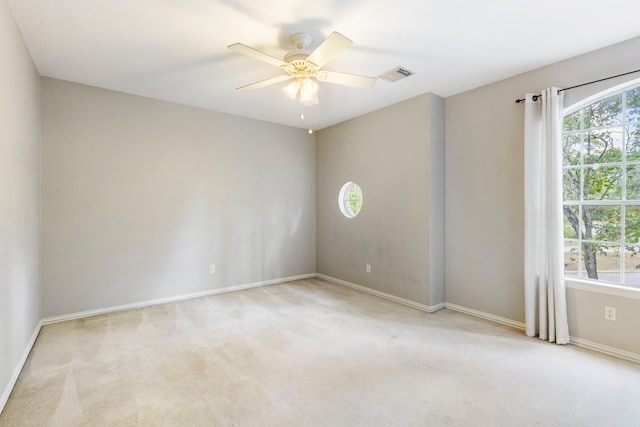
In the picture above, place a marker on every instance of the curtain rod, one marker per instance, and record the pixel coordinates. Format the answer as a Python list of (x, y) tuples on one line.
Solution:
[(535, 97)]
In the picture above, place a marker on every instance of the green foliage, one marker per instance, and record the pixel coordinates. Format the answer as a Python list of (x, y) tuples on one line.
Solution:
[(571, 148), (569, 231), (632, 225), (633, 105), (602, 183), (603, 145), (606, 112), (606, 222), (572, 122), (354, 197), (571, 184), (633, 182)]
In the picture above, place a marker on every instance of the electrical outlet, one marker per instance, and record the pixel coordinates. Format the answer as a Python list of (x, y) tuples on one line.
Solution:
[(212, 268), (368, 268), (610, 313)]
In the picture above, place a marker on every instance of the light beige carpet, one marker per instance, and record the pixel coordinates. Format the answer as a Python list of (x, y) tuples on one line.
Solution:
[(311, 353)]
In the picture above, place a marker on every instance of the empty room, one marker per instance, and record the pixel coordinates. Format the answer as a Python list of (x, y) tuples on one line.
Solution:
[(293, 213)]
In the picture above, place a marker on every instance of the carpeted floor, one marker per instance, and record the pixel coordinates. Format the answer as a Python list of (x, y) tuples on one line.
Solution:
[(311, 353)]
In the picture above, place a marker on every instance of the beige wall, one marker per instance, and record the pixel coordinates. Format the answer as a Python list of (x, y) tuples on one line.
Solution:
[(19, 200), (484, 196), (140, 196), (586, 314), (388, 153)]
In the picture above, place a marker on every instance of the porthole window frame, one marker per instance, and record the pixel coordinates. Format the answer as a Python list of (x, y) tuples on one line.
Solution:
[(345, 200)]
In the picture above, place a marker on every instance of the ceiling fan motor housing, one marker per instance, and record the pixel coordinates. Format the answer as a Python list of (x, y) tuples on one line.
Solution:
[(301, 40), (297, 64)]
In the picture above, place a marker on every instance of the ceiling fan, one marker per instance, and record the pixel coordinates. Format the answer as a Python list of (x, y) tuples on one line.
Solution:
[(302, 65)]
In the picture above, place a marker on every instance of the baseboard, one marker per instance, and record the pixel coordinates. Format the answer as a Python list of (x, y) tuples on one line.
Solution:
[(19, 366), (578, 342), (88, 313), (486, 316), (423, 307), (609, 351)]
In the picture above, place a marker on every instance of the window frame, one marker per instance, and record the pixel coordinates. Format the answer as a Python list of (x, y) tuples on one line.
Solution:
[(593, 285), (344, 200)]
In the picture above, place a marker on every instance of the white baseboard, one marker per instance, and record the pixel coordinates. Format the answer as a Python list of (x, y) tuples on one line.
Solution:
[(19, 366), (486, 316), (423, 307), (605, 349), (83, 314), (578, 342)]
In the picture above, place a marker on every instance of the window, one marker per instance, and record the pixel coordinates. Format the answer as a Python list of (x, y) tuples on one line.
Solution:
[(601, 187), (350, 199)]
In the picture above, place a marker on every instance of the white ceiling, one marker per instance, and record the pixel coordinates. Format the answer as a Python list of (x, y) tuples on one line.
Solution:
[(176, 50)]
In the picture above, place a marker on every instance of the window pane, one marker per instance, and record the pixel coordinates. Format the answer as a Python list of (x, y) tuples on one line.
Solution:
[(608, 263), (632, 225), (633, 105), (571, 122), (632, 266), (571, 258), (601, 223), (600, 262), (603, 146), (633, 142), (606, 112), (633, 182), (571, 149), (571, 184), (571, 222), (602, 183)]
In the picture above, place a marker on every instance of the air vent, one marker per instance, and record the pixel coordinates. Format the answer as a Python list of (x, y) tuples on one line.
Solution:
[(396, 74)]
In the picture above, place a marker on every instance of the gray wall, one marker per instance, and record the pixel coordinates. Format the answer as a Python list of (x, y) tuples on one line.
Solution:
[(484, 196), (436, 187), (388, 153), (19, 199), (140, 196)]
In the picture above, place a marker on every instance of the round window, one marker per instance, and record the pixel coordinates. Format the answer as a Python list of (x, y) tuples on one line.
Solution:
[(350, 199)]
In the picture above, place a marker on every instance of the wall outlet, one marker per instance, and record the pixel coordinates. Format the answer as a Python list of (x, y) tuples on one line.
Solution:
[(212, 268), (368, 268), (610, 313)]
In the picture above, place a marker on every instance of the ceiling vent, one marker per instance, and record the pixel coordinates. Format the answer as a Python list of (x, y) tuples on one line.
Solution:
[(396, 74)]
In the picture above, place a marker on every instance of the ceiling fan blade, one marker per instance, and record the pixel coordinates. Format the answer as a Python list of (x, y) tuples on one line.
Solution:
[(265, 83), (346, 79), (330, 47), (256, 54)]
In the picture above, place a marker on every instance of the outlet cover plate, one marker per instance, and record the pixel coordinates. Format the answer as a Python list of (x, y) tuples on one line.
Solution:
[(610, 313)]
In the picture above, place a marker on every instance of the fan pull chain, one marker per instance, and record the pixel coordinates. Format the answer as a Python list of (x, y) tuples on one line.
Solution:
[(301, 111)]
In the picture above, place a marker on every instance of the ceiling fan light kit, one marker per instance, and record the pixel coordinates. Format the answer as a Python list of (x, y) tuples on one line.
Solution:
[(302, 65), (292, 89)]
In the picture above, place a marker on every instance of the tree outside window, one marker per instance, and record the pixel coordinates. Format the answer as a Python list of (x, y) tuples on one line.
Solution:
[(601, 188)]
